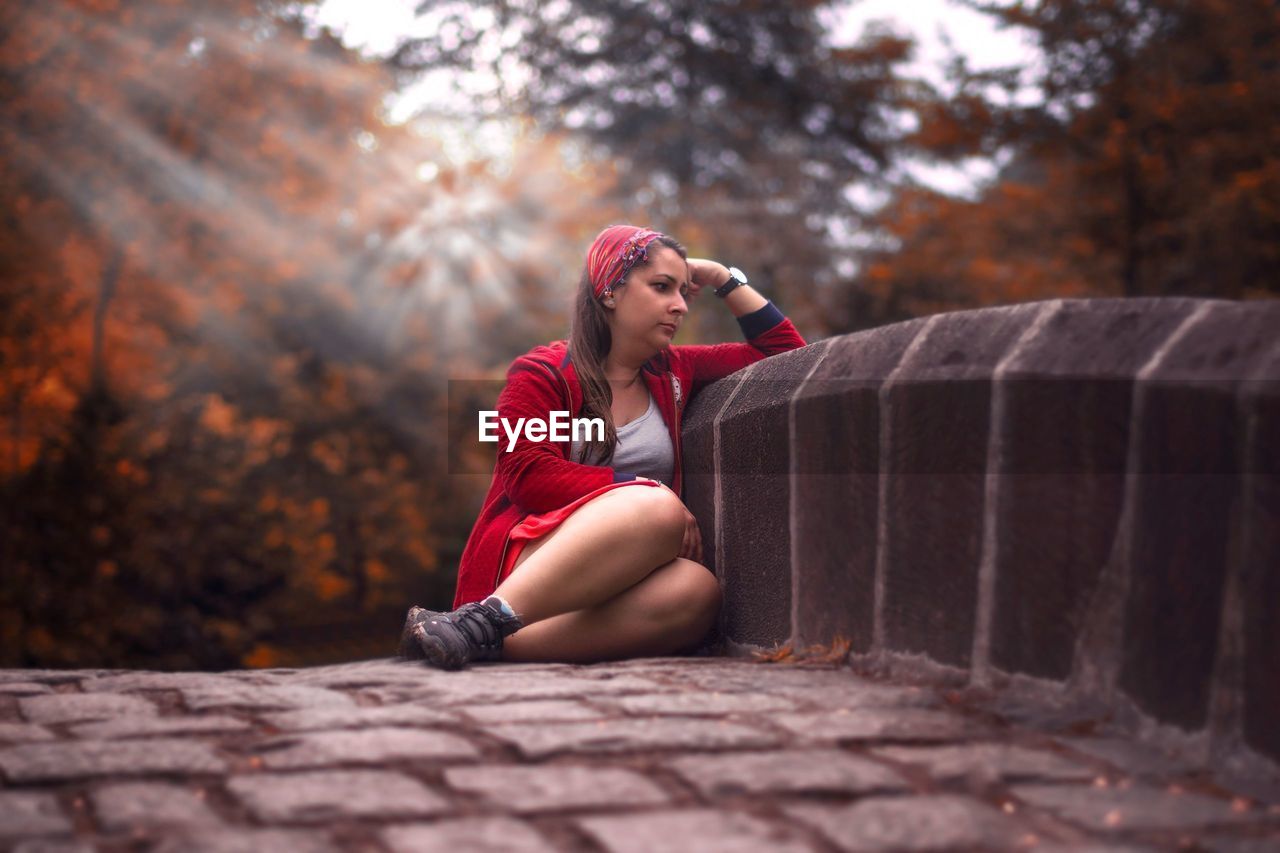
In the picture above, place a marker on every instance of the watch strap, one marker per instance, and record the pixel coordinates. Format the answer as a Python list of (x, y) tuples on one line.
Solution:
[(736, 279)]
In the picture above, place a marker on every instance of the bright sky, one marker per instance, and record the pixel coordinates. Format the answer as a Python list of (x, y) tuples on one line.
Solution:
[(375, 26)]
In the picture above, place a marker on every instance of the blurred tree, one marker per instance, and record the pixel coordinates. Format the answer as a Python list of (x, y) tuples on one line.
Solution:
[(1149, 166), (231, 296), (733, 124)]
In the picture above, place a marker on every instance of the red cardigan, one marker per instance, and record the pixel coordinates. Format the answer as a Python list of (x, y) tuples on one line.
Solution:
[(537, 477)]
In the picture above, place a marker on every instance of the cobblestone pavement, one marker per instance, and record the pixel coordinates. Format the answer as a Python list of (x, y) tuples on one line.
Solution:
[(688, 754)]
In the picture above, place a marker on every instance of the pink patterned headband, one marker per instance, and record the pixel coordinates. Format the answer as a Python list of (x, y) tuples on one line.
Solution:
[(613, 254)]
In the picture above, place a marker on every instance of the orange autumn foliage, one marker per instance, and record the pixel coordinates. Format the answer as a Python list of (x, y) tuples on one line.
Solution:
[(219, 408)]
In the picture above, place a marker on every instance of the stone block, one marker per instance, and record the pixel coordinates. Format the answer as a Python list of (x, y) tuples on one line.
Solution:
[(921, 822), (23, 733), (56, 762), (24, 688), (1259, 566), (502, 686), (753, 465), (628, 735), (788, 771), (354, 676), (936, 419), (690, 829), (1137, 808), (836, 490), (694, 704), (363, 746), (129, 682), (741, 675), (987, 763), (75, 707), (1129, 757), (1189, 444), (136, 805), (1239, 844), (51, 845), (26, 813), (202, 697), (328, 796), (249, 841), (1066, 402), (699, 457), (476, 835), (904, 724), (851, 697), (306, 719), (535, 711), (552, 788), (129, 727)]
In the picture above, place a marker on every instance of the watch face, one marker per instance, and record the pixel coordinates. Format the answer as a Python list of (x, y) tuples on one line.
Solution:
[(737, 275)]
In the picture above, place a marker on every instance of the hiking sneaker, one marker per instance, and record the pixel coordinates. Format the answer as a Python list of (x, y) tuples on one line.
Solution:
[(409, 648), (473, 632)]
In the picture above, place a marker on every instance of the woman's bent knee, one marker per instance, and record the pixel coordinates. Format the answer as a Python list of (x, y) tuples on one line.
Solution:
[(653, 509)]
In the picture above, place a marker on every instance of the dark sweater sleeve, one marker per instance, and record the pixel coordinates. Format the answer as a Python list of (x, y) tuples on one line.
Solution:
[(535, 475)]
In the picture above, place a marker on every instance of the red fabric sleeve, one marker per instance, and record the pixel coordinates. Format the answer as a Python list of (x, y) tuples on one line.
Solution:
[(534, 474), (709, 362)]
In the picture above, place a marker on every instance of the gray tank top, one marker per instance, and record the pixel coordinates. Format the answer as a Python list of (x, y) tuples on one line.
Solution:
[(644, 447)]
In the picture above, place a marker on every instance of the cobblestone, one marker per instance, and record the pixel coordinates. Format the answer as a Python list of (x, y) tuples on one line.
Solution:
[(76, 707), (475, 835), (23, 813), (538, 741), (23, 688), (1128, 757), (275, 697), (306, 719), (50, 846), (555, 788), (1114, 809), (51, 762), (366, 746), (987, 762), (923, 822), (131, 727), (487, 687), (23, 733), (130, 682), (695, 829), (128, 806), (899, 724), (249, 841), (786, 771), (659, 754), (714, 704), (537, 711), (319, 797)]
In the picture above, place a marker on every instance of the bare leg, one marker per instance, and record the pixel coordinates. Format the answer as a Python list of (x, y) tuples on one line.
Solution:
[(668, 612), (607, 545), (669, 609)]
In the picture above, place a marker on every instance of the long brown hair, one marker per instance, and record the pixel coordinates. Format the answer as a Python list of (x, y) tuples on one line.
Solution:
[(590, 340)]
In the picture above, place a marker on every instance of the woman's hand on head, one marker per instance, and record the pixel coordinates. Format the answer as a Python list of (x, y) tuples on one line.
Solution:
[(706, 273)]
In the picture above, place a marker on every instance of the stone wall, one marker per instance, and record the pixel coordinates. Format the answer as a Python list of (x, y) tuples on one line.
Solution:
[(1079, 495)]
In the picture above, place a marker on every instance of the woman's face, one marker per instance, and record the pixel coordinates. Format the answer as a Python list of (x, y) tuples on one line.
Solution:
[(650, 307)]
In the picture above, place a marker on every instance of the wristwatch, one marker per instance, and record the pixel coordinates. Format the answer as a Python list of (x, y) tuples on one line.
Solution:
[(737, 278)]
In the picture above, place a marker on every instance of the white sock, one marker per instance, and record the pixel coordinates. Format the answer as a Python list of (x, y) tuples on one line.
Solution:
[(506, 608)]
